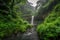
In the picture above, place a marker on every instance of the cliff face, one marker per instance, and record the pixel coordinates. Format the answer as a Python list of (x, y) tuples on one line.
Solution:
[(46, 7)]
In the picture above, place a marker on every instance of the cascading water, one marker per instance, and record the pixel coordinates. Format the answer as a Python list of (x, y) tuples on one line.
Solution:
[(31, 34), (32, 20)]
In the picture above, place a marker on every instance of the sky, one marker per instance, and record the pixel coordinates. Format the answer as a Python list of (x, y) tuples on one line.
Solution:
[(34, 2)]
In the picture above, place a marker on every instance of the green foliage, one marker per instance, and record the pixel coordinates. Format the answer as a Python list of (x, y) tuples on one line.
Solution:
[(10, 20), (12, 26), (50, 2), (50, 29), (47, 4)]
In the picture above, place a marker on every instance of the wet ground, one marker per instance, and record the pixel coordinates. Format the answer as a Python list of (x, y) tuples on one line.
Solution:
[(31, 34)]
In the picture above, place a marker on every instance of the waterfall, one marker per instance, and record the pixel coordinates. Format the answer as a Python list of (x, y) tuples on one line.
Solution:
[(32, 20)]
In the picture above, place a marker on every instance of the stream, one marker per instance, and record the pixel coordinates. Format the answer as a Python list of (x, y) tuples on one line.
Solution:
[(31, 34)]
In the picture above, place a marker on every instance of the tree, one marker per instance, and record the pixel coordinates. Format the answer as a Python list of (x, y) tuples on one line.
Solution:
[(10, 20)]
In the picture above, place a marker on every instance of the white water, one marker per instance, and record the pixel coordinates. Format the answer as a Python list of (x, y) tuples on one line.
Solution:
[(32, 20)]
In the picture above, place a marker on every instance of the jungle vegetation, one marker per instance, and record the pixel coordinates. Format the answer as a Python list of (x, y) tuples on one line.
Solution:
[(50, 28)]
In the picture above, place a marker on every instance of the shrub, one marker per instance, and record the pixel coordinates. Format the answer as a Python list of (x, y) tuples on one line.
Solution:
[(50, 29), (10, 20), (7, 28)]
